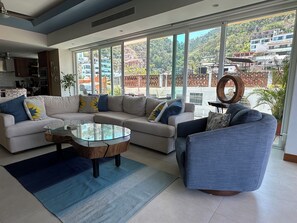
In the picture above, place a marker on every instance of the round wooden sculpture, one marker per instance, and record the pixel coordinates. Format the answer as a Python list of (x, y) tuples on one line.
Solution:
[(239, 89)]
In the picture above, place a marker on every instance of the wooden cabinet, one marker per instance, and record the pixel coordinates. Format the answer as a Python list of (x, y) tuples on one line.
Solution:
[(44, 73), (25, 67)]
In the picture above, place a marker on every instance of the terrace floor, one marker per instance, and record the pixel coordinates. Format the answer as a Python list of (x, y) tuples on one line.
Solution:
[(275, 201)]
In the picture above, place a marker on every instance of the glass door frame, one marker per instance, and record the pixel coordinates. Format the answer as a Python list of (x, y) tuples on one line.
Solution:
[(121, 44), (174, 34)]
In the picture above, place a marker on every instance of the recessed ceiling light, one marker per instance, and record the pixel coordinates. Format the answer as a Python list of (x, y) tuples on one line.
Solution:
[(215, 5)]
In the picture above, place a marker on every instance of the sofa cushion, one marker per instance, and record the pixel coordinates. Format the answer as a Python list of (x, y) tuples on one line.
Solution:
[(173, 109), (58, 105), (245, 116), (150, 105), (75, 116), (115, 103), (141, 124), (29, 127), (157, 112), (134, 105), (217, 120), (233, 109), (16, 108), (35, 108), (115, 118), (88, 104)]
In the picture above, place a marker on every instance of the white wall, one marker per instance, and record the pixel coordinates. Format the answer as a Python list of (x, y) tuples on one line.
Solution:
[(65, 61), (291, 143), (148, 15), (23, 37)]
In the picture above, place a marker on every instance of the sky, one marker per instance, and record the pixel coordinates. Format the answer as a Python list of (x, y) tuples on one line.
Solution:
[(193, 35)]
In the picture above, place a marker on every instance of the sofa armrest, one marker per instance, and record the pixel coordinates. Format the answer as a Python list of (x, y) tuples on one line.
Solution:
[(174, 120), (189, 107), (190, 127), (6, 120)]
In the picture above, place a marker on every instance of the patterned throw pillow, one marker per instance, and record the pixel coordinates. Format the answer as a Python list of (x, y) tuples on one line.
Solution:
[(217, 120), (157, 112), (88, 104), (35, 108)]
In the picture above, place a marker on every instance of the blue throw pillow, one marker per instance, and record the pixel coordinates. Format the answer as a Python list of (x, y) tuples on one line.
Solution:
[(233, 109), (246, 116), (16, 108), (173, 109), (103, 102)]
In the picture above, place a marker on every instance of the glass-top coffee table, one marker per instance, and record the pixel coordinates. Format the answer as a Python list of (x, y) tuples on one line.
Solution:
[(91, 140)]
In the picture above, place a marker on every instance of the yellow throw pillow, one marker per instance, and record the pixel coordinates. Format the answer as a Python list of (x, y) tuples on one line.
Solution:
[(88, 104), (156, 114)]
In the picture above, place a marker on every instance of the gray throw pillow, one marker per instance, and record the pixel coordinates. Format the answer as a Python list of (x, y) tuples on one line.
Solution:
[(217, 121)]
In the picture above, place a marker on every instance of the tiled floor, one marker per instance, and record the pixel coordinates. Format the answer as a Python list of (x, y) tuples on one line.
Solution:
[(275, 201)]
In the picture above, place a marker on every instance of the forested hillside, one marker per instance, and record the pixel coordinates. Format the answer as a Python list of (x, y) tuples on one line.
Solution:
[(205, 48)]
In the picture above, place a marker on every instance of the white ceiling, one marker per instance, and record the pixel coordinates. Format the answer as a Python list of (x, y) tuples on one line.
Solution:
[(32, 8), (36, 7)]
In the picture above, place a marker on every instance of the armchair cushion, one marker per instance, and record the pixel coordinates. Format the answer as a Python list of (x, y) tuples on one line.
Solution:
[(217, 120), (245, 116)]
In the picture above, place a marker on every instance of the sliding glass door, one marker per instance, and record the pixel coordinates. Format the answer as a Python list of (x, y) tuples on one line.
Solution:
[(160, 59), (135, 58), (203, 64)]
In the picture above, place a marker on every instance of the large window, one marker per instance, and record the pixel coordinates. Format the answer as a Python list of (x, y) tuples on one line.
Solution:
[(178, 65), (160, 67), (83, 70), (203, 63), (258, 51), (135, 78), (105, 70), (117, 69)]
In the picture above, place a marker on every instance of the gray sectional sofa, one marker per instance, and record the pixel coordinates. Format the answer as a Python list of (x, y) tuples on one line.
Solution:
[(127, 111)]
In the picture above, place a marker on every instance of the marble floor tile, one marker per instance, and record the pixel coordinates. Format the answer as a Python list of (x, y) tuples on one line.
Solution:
[(274, 202)]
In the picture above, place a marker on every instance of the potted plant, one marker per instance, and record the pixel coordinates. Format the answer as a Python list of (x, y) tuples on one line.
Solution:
[(68, 81), (274, 95)]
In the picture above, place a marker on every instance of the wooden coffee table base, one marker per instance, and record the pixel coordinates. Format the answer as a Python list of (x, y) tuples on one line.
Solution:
[(93, 151), (95, 162)]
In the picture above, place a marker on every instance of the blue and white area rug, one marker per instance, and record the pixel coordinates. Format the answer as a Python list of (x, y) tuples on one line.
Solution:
[(67, 188)]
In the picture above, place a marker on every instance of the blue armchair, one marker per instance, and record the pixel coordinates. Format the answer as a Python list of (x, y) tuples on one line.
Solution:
[(229, 160)]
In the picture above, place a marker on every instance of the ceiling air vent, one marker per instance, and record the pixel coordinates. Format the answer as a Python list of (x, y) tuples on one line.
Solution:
[(113, 17)]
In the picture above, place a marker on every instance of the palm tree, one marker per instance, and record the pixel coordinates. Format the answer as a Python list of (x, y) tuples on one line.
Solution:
[(274, 95)]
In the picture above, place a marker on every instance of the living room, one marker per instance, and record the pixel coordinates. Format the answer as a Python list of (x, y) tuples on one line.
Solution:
[(122, 57)]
